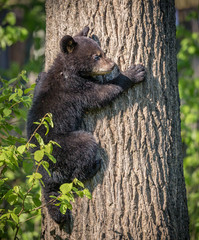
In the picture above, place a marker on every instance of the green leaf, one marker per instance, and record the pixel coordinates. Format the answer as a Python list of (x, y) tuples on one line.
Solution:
[(47, 127), (17, 210), (46, 166), (75, 189), (38, 155), (66, 187), (42, 183), (6, 215), (9, 192), (63, 208), (11, 224), (65, 198), (27, 90), (10, 19), (69, 206), (28, 205), (31, 178), (37, 123), (39, 139), (80, 193), (24, 34), (27, 166), (21, 149), (20, 92), (48, 148), (36, 200), (12, 199), (16, 189), (87, 193), (49, 120), (37, 175), (15, 217), (23, 73), (13, 97), (11, 81), (55, 143), (31, 145), (51, 196), (77, 182), (51, 157), (7, 112), (2, 181)]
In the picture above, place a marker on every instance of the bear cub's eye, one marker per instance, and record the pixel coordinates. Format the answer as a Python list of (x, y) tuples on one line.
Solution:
[(96, 57)]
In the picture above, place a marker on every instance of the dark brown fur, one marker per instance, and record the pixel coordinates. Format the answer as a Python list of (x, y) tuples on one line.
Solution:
[(67, 90)]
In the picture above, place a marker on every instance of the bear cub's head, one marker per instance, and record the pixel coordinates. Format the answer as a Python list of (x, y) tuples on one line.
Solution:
[(83, 56)]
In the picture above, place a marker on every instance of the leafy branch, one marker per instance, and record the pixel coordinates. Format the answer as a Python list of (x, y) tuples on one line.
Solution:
[(22, 203)]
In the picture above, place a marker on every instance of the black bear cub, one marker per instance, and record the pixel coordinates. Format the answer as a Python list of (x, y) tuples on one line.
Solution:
[(67, 90)]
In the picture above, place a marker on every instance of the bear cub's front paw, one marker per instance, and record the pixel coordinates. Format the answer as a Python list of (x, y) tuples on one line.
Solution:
[(95, 168), (136, 73)]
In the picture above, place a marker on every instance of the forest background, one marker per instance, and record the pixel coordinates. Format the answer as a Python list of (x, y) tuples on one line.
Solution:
[(22, 42)]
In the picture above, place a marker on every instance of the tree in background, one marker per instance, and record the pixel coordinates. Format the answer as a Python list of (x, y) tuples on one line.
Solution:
[(140, 191), (19, 22), (189, 94), (21, 36)]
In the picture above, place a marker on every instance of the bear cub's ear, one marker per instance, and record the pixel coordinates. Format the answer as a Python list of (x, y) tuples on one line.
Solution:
[(67, 44), (83, 33)]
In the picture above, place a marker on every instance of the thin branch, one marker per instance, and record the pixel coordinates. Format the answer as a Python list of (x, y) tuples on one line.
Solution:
[(44, 205), (23, 202), (29, 218), (36, 130), (14, 104), (17, 230), (22, 209), (2, 168)]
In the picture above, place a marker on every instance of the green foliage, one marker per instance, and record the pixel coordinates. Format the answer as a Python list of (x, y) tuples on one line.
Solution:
[(20, 202), (15, 160), (189, 93), (32, 29), (67, 194), (9, 33)]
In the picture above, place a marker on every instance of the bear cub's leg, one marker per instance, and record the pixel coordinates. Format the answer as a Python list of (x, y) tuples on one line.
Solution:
[(77, 159), (78, 155), (54, 211)]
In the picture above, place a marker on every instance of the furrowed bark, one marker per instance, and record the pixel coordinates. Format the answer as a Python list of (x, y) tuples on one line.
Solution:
[(139, 192)]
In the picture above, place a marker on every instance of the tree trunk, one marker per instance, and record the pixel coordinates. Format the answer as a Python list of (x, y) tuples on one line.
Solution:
[(139, 192)]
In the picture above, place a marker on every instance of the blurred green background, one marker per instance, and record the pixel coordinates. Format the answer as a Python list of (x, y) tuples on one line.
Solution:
[(22, 43)]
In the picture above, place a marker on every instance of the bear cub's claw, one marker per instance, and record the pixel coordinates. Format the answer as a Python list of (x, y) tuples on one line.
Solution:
[(136, 73)]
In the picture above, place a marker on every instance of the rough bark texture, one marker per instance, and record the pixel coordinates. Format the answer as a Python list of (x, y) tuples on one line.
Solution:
[(140, 192)]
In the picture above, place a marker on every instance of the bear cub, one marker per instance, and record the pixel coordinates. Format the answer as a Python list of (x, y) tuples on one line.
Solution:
[(69, 88)]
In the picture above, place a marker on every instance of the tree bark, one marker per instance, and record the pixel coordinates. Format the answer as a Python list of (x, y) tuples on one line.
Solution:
[(139, 192)]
